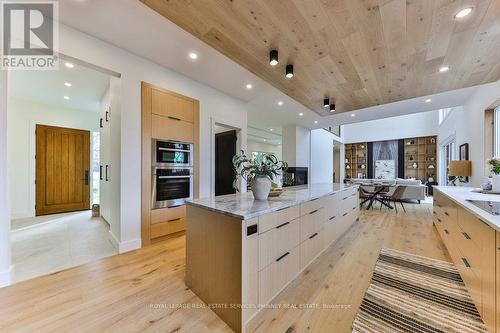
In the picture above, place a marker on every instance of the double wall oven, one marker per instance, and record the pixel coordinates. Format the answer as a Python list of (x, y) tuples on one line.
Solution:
[(172, 173)]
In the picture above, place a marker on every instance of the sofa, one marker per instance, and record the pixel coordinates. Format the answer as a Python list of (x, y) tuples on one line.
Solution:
[(415, 190)]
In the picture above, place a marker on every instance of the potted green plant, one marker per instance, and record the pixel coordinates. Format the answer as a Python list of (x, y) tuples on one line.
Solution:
[(495, 170), (258, 171)]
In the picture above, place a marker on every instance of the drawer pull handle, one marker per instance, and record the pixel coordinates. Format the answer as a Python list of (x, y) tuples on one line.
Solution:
[(283, 256), (331, 218), (313, 235), (345, 198), (344, 214), (434, 212), (279, 210), (314, 199), (353, 208), (282, 225), (466, 263), (314, 211), (173, 118), (446, 213), (446, 231), (173, 220), (440, 220), (252, 229), (466, 235)]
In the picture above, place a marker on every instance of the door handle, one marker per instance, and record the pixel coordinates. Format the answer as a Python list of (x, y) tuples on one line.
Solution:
[(86, 177), (100, 172), (100, 123), (107, 168), (107, 116)]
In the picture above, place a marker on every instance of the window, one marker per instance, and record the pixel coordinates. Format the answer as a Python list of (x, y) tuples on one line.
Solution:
[(496, 131), (447, 154), (334, 129), (443, 113), (95, 167)]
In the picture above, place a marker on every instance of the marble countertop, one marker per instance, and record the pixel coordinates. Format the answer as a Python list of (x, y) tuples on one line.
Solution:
[(243, 206), (460, 195)]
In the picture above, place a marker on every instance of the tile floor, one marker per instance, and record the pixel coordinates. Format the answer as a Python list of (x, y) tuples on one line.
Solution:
[(47, 244)]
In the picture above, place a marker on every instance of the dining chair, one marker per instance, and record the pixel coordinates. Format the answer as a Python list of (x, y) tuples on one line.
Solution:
[(395, 195)]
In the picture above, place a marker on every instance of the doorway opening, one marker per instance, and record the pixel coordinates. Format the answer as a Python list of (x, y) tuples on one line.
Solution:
[(225, 147), (55, 133)]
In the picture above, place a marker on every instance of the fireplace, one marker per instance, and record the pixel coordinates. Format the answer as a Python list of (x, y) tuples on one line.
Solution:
[(295, 176)]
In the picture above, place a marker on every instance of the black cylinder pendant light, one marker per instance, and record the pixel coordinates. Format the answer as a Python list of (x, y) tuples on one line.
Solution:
[(289, 71), (326, 102), (332, 107), (273, 57)]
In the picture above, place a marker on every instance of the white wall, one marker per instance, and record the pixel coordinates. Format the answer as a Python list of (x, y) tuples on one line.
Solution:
[(411, 125), (22, 117), (5, 258), (214, 106), (296, 146), (467, 125), (263, 147), (321, 156)]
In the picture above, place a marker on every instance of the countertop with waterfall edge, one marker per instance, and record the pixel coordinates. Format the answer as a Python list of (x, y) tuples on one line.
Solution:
[(460, 195), (243, 205)]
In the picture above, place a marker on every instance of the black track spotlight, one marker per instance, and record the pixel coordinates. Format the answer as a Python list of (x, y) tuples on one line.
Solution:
[(289, 71), (326, 102), (332, 107), (273, 57)]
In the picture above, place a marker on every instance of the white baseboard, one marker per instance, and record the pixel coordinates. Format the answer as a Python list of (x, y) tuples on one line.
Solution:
[(6, 277), (123, 247), (14, 215)]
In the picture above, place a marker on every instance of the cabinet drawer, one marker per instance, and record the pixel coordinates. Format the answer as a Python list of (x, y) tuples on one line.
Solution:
[(310, 248), (471, 280), (278, 274), (348, 203), (332, 205), (311, 223), (279, 240), (168, 129), (310, 206), (474, 228), (168, 214), (269, 221), (167, 228), (170, 105), (348, 192)]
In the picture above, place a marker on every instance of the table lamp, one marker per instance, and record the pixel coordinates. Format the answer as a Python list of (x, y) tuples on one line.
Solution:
[(459, 169)]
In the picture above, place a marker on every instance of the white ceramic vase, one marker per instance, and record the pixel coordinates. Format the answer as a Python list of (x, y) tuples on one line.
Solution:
[(261, 185), (495, 183)]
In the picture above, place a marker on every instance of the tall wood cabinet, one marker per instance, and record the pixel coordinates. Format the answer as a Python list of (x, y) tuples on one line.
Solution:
[(167, 116), (421, 158), (356, 160)]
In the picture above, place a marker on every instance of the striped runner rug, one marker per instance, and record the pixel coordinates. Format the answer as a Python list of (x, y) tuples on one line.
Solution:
[(410, 293)]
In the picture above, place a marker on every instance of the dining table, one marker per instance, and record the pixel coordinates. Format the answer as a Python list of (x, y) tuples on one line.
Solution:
[(374, 195)]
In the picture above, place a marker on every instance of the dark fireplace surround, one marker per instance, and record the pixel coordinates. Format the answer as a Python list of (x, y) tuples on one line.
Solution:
[(295, 176)]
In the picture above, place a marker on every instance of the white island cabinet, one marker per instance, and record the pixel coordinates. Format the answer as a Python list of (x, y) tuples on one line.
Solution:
[(240, 252)]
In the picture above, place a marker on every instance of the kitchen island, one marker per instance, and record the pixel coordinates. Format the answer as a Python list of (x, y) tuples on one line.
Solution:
[(241, 253), (469, 225)]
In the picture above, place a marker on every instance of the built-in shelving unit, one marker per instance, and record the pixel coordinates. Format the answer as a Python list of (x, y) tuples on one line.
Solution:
[(421, 158), (356, 160)]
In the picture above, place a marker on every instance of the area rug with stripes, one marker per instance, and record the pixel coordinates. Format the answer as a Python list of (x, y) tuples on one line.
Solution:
[(410, 293)]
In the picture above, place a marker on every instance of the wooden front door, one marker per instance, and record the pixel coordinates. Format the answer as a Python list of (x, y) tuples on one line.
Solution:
[(62, 170)]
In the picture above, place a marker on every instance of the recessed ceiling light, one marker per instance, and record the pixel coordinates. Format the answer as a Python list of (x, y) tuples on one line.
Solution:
[(280, 103), (271, 129), (353, 115), (444, 69), (464, 12), (301, 114), (66, 97), (315, 121), (265, 140), (193, 56), (69, 65), (67, 84), (428, 100), (249, 86)]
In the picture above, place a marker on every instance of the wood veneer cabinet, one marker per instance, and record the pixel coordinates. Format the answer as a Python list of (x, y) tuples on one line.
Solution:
[(473, 247), (166, 115), (249, 262)]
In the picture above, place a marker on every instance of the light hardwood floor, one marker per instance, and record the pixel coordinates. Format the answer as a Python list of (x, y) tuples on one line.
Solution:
[(133, 292)]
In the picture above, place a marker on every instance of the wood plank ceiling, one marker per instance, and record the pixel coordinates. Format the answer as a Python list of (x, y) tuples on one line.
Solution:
[(360, 52)]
